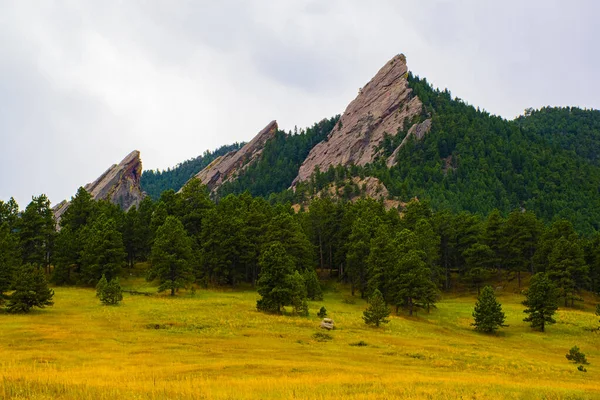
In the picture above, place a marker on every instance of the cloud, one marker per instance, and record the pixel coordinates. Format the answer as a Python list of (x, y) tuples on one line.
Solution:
[(82, 83)]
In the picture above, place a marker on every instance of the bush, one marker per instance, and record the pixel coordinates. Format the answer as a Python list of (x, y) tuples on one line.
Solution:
[(109, 293), (322, 337), (576, 356), (361, 343), (322, 312)]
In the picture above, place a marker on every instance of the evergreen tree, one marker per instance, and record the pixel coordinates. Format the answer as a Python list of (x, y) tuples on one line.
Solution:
[(103, 252), (488, 313), (479, 259), (30, 290), (109, 293), (541, 302), (277, 282), (36, 230), (313, 286), (9, 258), (9, 214), (378, 311), (567, 269), (322, 312), (412, 283), (381, 262), (171, 257)]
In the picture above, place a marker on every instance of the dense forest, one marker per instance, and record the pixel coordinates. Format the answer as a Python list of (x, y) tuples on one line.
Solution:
[(279, 162), (188, 238), (545, 161), (154, 182)]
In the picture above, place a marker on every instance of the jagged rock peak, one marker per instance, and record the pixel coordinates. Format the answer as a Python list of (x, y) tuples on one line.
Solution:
[(120, 184), (382, 106), (226, 168)]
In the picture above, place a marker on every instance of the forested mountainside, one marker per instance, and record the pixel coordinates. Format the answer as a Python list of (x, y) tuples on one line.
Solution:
[(545, 161), (279, 162), (154, 182)]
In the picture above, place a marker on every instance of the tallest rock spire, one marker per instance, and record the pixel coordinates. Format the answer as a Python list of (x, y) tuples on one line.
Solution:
[(382, 106)]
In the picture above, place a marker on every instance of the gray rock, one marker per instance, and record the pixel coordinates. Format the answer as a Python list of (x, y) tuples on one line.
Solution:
[(328, 324)]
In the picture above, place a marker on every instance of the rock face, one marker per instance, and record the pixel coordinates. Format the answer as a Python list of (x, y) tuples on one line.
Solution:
[(227, 167), (120, 185), (382, 106)]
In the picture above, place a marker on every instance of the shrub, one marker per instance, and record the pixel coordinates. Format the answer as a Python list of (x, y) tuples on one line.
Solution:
[(322, 312), (109, 293), (322, 337), (576, 356)]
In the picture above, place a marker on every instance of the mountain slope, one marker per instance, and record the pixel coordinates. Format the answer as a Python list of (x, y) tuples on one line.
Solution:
[(156, 182)]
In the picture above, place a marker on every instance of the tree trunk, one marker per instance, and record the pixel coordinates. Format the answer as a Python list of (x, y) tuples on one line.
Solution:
[(519, 278)]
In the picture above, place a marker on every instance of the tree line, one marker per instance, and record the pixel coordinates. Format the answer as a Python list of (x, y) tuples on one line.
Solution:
[(409, 256)]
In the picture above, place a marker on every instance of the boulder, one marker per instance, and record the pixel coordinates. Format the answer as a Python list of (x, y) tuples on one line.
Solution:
[(328, 324)]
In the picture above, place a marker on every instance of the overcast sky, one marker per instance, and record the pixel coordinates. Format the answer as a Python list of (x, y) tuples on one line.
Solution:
[(83, 83)]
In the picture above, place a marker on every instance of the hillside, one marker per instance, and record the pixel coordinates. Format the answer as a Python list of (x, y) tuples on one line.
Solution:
[(451, 153), (154, 182)]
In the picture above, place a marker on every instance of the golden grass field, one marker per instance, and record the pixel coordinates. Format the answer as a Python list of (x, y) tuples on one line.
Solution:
[(215, 345)]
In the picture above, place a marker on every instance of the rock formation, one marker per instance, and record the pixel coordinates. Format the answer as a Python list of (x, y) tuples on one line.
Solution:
[(227, 167), (120, 184), (327, 323), (381, 107)]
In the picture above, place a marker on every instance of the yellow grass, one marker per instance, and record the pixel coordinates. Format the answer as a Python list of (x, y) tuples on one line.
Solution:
[(215, 345)]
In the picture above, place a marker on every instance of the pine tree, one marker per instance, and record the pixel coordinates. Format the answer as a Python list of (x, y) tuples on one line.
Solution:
[(313, 286), (277, 282), (541, 302), (488, 312), (103, 252), (9, 258), (37, 228), (567, 269), (378, 311), (31, 290), (109, 293), (322, 312), (171, 257)]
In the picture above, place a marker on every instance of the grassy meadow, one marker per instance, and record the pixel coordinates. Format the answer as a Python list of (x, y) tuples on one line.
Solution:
[(215, 345)]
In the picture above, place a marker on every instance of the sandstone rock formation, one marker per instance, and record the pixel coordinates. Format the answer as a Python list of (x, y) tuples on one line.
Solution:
[(120, 184), (382, 106), (227, 167)]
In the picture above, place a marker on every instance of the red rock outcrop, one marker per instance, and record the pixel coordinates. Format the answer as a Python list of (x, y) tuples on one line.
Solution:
[(120, 184), (381, 107), (226, 168)]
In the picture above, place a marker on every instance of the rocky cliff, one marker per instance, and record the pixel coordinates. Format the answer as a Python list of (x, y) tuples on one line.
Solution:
[(383, 106), (227, 167), (120, 184)]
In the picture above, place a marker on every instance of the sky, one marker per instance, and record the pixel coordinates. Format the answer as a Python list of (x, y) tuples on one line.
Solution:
[(83, 83)]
